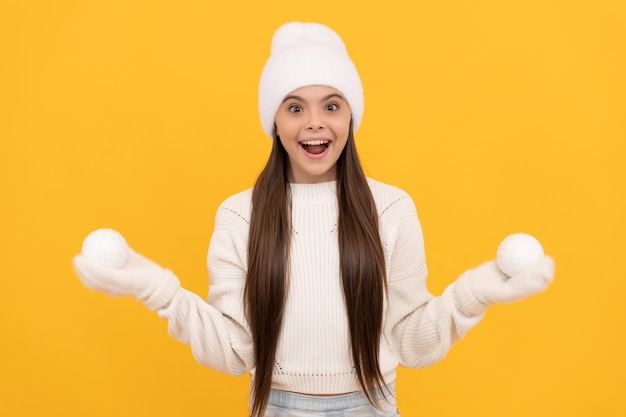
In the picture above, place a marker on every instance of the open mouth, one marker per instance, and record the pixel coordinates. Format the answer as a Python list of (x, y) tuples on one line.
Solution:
[(315, 147)]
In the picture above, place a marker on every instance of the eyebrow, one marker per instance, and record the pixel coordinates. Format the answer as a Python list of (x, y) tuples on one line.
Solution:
[(325, 98)]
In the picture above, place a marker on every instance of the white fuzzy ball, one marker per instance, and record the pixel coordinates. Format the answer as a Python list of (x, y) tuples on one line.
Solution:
[(516, 252), (106, 247)]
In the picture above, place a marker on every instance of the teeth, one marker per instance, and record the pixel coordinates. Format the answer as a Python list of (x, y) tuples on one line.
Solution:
[(315, 142)]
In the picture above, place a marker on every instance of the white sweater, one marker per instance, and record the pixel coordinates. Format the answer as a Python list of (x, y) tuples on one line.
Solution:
[(313, 354)]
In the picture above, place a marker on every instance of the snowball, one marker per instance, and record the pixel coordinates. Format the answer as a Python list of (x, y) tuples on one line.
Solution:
[(106, 247), (516, 252)]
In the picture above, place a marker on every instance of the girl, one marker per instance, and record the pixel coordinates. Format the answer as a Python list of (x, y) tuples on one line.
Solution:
[(317, 273)]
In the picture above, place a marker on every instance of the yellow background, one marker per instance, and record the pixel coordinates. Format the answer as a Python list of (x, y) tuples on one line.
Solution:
[(496, 116)]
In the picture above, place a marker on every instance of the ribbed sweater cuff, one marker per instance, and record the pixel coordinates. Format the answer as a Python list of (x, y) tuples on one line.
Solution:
[(164, 294), (465, 299)]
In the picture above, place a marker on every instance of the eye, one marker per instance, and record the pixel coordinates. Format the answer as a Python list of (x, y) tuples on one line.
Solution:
[(294, 108), (332, 107)]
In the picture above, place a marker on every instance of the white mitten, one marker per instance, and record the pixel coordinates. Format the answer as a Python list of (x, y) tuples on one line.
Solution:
[(486, 284), (138, 277)]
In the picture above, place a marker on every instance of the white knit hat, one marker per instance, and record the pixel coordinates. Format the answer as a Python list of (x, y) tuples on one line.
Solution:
[(305, 54)]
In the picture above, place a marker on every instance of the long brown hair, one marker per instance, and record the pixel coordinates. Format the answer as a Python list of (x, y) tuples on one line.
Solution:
[(361, 259)]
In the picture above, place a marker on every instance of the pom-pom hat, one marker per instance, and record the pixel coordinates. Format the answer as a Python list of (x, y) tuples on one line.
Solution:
[(305, 54)]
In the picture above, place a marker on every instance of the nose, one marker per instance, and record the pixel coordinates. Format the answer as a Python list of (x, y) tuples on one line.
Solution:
[(315, 121)]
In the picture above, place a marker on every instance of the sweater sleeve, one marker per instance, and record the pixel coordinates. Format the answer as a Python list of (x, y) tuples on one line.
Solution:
[(421, 327), (216, 329)]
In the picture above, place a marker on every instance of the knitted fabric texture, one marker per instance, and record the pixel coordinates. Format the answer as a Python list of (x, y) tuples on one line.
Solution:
[(305, 54), (313, 354)]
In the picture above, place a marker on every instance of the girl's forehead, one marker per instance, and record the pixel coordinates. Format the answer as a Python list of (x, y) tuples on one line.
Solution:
[(314, 92)]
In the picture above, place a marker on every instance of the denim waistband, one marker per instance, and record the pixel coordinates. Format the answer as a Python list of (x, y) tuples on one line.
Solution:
[(299, 401)]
